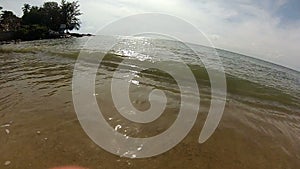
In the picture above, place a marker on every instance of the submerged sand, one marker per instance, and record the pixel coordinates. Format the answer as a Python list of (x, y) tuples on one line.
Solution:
[(40, 129), (45, 132)]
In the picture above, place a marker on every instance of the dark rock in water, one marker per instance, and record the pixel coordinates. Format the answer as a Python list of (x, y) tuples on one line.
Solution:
[(29, 33), (79, 35)]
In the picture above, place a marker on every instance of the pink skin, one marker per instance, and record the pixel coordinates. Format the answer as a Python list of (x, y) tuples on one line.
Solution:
[(68, 167)]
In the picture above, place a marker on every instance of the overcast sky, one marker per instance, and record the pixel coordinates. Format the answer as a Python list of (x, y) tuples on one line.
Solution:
[(265, 29)]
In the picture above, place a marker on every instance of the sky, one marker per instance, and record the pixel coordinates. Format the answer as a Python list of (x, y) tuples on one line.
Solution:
[(264, 29)]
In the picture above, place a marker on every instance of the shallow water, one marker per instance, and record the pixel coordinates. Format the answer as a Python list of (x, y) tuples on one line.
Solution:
[(260, 127)]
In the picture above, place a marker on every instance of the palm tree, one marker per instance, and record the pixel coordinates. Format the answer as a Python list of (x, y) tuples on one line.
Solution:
[(26, 8), (69, 13)]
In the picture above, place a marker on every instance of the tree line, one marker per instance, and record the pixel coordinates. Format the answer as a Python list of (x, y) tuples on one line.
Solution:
[(50, 19)]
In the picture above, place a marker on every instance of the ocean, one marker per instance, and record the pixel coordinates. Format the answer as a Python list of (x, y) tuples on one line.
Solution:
[(260, 127)]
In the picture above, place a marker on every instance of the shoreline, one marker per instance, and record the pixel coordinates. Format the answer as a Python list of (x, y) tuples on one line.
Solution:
[(10, 37)]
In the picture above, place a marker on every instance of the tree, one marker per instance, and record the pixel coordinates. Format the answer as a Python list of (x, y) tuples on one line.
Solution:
[(33, 16), (41, 22), (9, 21), (51, 15), (69, 14), (26, 9)]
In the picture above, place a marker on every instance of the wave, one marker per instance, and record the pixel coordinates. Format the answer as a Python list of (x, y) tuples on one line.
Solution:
[(250, 92), (239, 88)]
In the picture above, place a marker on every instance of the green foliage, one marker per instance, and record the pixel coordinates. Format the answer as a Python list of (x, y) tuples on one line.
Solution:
[(9, 21), (37, 22), (32, 16), (32, 32), (69, 13), (52, 15), (26, 8)]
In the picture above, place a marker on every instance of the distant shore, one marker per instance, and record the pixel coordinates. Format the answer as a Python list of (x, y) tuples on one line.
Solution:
[(12, 37), (49, 21)]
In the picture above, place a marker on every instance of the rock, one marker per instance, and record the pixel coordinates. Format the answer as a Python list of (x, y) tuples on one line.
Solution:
[(7, 163), (7, 131), (5, 125)]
